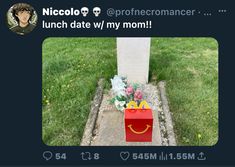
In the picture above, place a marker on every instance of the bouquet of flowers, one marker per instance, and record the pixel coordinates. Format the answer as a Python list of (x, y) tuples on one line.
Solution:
[(124, 92)]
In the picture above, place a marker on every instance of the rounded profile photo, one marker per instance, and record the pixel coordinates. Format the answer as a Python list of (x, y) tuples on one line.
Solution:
[(21, 18)]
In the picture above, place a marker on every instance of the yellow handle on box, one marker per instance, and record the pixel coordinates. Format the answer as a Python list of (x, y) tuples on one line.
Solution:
[(133, 105)]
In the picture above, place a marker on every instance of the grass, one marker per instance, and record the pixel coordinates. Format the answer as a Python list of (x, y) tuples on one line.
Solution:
[(190, 67), (72, 66)]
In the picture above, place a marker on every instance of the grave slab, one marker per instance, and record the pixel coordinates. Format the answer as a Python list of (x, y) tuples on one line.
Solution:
[(109, 128)]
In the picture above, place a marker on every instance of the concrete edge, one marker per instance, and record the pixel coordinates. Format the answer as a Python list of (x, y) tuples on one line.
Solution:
[(166, 110), (91, 121)]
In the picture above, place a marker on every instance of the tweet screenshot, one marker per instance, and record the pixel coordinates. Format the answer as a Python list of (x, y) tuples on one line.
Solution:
[(117, 83)]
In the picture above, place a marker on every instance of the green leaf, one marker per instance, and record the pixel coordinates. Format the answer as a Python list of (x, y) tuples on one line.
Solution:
[(111, 101)]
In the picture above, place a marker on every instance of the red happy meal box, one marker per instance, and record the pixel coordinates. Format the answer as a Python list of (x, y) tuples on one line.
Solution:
[(138, 122)]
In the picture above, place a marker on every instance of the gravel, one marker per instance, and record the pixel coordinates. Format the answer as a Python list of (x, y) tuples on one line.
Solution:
[(152, 96)]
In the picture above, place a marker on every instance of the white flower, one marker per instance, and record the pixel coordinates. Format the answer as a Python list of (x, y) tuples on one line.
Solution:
[(120, 105), (118, 86)]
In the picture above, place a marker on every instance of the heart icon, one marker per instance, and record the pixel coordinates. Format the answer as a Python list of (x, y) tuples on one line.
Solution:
[(124, 155)]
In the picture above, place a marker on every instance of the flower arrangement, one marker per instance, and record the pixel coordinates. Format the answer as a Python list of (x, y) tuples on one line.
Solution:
[(124, 92)]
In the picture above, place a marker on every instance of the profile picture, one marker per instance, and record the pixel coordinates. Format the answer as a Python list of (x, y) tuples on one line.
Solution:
[(21, 18)]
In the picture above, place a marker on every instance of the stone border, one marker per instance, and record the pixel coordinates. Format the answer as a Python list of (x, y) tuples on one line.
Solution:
[(167, 113), (95, 105)]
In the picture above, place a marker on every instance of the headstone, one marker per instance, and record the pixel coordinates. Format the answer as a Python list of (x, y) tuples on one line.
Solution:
[(133, 58)]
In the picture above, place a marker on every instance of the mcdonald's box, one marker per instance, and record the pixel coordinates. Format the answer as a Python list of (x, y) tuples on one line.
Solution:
[(138, 122)]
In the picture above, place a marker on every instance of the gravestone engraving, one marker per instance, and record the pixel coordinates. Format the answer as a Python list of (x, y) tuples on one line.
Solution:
[(133, 58)]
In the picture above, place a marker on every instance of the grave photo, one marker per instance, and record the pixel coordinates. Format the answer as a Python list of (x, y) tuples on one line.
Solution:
[(130, 91)]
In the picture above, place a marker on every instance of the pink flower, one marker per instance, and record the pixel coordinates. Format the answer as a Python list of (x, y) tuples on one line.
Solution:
[(138, 95), (129, 90)]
